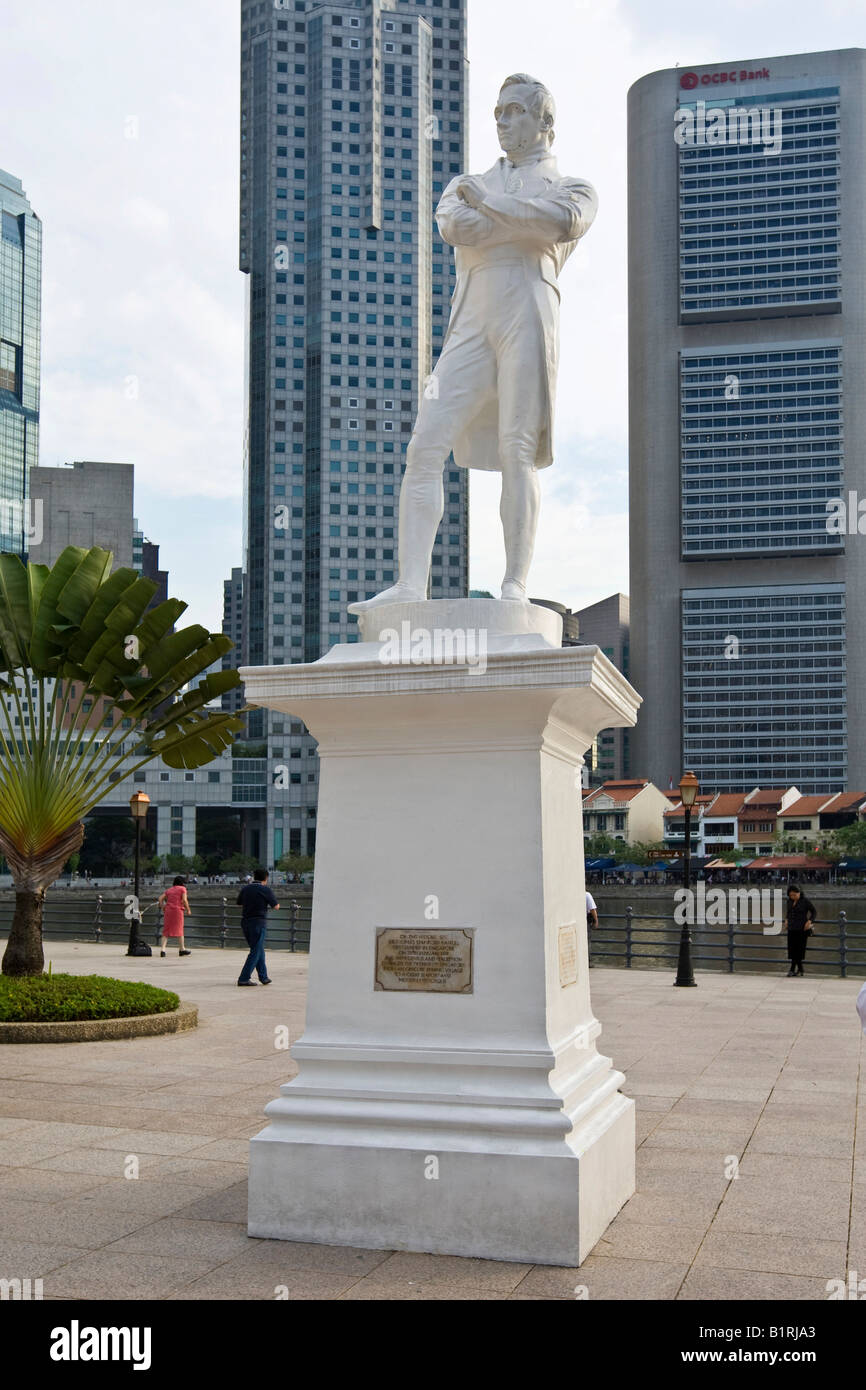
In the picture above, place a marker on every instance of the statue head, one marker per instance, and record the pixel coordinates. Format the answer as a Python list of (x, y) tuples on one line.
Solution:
[(525, 113)]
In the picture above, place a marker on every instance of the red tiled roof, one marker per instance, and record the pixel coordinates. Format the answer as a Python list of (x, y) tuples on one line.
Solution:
[(620, 791), (846, 801), (727, 804), (807, 805), (702, 800)]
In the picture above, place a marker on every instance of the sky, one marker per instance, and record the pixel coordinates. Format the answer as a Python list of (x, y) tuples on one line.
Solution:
[(122, 123)]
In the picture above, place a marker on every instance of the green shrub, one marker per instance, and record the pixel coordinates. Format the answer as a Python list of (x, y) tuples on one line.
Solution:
[(65, 998)]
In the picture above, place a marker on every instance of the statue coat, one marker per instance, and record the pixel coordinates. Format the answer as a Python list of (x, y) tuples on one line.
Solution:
[(531, 214)]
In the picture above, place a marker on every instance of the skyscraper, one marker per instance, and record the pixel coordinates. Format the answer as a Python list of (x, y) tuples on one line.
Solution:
[(20, 326), (747, 300), (606, 625), (232, 626), (352, 121)]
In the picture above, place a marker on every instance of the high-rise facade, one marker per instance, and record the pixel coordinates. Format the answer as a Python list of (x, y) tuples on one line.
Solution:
[(84, 503), (233, 626), (606, 625), (20, 330), (352, 122), (747, 301)]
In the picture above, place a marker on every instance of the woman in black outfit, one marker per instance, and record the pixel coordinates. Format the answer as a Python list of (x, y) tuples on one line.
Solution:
[(801, 915)]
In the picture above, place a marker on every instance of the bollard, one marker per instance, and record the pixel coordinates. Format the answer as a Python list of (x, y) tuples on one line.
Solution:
[(629, 913), (730, 947), (293, 920), (843, 943), (224, 930)]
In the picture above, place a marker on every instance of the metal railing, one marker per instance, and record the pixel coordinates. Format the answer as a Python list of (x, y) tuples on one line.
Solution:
[(213, 922), (651, 940)]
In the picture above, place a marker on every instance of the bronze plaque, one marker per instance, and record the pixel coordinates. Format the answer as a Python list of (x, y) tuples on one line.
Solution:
[(567, 955), (429, 960)]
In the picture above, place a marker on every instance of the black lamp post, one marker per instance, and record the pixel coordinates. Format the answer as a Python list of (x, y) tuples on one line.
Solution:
[(138, 804), (688, 793)]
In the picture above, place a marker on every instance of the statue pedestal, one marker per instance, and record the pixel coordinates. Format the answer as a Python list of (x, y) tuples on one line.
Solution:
[(450, 1096)]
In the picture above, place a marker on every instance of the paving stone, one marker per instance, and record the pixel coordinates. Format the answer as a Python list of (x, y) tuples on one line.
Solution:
[(666, 1242), (102, 1274), (773, 1254), (404, 1270), (743, 1066), (219, 1240), (706, 1284)]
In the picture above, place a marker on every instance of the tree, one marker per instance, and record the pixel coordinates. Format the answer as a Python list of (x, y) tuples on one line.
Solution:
[(296, 863), (599, 846), (603, 846), (77, 646), (109, 844), (239, 864), (217, 836), (184, 863), (847, 842), (786, 842)]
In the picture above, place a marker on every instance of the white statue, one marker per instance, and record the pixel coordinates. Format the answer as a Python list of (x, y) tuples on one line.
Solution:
[(491, 397)]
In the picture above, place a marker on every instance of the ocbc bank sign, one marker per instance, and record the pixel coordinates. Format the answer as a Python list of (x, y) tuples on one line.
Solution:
[(690, 80)]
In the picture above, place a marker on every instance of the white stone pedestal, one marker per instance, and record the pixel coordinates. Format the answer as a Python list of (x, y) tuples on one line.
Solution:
[(482, 1122)]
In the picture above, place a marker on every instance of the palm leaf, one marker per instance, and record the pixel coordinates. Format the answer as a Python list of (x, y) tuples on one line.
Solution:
[(46, 645), (197, 739), (15, 619), (71, 622)]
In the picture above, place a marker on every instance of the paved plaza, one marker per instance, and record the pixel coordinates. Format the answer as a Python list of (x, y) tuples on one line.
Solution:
[(756, 1074)]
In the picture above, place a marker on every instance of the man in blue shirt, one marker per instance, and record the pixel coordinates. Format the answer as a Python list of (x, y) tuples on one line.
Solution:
[(254, 899)]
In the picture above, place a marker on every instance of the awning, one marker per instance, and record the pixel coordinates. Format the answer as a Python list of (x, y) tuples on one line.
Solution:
[(789, 861)]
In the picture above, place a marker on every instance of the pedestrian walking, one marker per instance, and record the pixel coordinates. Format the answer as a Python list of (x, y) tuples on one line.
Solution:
[(254, 900), (861, 1007), (175, 905), (591, 920), (801, 915)]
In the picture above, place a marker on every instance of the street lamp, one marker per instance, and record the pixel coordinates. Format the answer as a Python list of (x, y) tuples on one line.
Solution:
[(138, 804), (688, 793)]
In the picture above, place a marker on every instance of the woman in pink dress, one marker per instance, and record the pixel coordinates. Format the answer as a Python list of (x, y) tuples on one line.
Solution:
[(174, 903)]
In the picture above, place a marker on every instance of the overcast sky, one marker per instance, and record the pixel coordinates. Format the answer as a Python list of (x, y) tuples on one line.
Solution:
[(122, 122)]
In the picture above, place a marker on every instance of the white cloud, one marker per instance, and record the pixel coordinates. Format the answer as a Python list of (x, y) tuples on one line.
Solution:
[(140, 244)]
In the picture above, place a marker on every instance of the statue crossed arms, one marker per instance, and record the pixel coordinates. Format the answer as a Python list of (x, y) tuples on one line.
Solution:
[(493, 388)]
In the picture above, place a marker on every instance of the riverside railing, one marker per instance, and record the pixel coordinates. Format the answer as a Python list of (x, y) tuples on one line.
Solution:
[(651, 940), (213, 921)]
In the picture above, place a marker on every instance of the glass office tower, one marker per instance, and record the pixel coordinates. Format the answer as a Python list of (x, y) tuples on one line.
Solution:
[(748, 421), (352, 122), (20, 319)]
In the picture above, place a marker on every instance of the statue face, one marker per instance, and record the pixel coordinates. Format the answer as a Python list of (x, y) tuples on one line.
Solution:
[(516, 126)]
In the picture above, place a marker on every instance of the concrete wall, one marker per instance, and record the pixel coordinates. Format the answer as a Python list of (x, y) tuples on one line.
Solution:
[(88, 504)]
